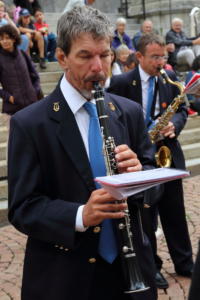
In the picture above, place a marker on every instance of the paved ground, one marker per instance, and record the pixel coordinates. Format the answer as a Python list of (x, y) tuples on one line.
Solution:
[(12, 245)]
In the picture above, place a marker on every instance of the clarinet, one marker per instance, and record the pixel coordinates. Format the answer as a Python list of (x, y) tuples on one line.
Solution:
[(133, 279)]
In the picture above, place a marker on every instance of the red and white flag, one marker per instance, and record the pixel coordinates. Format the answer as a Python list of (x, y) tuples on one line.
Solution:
[(193, 86)]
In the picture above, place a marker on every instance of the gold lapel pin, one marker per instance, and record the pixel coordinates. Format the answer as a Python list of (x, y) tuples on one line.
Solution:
[(134, 82), (56, 106), (111, 105)]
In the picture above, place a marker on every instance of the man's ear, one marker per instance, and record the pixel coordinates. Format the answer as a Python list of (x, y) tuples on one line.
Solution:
[(61, 57), (138, 55)]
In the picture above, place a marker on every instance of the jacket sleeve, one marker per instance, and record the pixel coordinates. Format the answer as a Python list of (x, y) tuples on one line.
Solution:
[(129, 43), (180, 117), (33, 73), (4, 95), (178, 41), (31, 210)]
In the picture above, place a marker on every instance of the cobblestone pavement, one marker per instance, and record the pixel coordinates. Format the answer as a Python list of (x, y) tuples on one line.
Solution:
[(12, 244)]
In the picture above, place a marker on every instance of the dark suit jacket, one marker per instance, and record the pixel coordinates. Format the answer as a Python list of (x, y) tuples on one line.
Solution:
[(129, 85), (49, 178), (194, 293)]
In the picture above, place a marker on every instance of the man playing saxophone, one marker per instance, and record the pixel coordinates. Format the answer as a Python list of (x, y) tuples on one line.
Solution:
[(52, 193), (146, 86)]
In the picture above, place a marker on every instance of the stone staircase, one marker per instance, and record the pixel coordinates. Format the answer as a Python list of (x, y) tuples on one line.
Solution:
[(49, 76), (131, 27), (190, 142)]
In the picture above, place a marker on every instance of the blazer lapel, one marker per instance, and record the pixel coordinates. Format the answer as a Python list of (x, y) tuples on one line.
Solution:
[(163, 94), (116, 127), (69, 136), (136, 86)]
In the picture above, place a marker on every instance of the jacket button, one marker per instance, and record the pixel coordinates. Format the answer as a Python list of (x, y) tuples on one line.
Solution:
[(92, 260), (66, 249), (61, 247), (56, 246), (97, 229)]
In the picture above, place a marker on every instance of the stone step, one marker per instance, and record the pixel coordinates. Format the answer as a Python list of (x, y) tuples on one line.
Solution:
[(3, 151), (4, 207), (193, 122), (193, 165), (2, 118), (191, 151), (3, 134), (189, 136), (51, 67), (47, 88), (3, 168), (3, 191), (48, 77), (131, 28)]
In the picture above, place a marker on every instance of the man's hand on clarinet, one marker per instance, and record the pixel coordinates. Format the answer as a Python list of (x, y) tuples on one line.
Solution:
[(127, 160), (100, 206)]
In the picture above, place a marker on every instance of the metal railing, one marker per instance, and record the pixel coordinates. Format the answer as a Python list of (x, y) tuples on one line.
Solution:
[(124, 8)]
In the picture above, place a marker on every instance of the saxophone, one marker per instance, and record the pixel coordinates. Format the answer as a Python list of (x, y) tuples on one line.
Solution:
[(133, 280), (163, 156)]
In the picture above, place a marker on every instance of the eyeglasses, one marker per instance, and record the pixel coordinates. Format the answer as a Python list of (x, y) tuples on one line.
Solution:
[(158, 57)]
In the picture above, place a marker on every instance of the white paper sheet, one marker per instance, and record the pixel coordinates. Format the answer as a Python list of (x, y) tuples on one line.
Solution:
[(128, 184)]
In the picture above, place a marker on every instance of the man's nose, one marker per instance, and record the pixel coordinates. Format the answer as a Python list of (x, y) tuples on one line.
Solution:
[(96, 64)]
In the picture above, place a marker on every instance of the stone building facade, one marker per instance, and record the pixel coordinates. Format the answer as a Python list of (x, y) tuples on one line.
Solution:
[(161, 12)]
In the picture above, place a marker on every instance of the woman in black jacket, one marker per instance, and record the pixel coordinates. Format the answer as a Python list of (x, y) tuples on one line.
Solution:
[(19, 80)]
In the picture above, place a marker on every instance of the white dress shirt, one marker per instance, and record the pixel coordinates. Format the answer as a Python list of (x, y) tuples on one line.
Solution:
[(145, 85), (76, 101)]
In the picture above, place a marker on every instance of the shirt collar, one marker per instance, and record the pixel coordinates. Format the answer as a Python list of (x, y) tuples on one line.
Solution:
[(74, 99), (143, 75)]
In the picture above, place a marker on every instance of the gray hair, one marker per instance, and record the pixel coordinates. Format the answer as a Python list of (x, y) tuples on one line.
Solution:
[(174, 20), (146, 21), (121, 48), (121, 21), (82, 20)]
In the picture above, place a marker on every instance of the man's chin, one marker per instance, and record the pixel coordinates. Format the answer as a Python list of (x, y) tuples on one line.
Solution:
[(87, 94)]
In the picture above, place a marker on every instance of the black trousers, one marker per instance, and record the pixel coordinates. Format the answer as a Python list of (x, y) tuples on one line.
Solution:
[(173, 219)]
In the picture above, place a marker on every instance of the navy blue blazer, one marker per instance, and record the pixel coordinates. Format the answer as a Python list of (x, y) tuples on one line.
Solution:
[(49, 177), (129, 85)]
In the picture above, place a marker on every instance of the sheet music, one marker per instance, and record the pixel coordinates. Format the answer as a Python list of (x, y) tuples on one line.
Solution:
[(127, 184)]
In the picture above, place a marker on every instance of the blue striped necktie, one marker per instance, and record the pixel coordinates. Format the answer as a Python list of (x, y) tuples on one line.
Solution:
[(150, 99), (107, 243)]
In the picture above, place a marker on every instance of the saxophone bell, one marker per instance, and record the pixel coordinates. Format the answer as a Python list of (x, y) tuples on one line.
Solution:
[(163, 157)]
